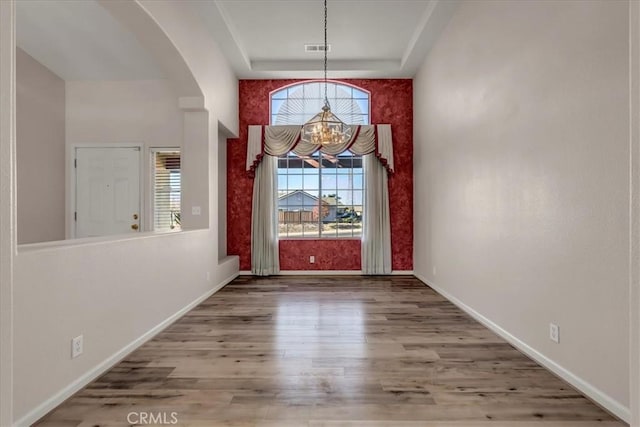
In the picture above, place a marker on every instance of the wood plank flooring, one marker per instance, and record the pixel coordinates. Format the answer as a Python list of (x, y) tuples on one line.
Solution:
[(328, 351)]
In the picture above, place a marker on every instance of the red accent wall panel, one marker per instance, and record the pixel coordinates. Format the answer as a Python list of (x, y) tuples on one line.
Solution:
[(329, 254), (391, 102)]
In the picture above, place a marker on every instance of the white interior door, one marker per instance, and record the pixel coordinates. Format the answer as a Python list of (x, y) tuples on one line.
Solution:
[(107, 191)]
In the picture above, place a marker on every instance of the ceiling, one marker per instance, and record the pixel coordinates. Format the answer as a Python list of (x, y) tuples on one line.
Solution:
[(80, 40), (376, 38)]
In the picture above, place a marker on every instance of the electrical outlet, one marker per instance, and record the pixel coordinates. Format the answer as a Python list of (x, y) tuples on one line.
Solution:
[(76, 346), (195, 210), (434, 270), (554, 332), (208, 276), (312, 259)]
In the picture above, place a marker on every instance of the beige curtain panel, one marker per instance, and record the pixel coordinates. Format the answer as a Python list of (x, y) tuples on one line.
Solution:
[(265, 255)]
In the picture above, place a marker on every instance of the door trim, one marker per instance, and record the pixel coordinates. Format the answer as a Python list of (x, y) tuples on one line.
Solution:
[(70, 202)]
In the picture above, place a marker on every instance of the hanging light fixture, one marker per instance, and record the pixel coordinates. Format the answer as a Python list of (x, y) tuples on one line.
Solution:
[(325, 128)]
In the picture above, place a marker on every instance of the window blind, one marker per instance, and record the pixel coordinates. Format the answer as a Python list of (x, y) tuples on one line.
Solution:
[(167, 190)]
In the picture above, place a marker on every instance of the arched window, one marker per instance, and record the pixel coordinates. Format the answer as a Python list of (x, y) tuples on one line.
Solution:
[(294, 105), (320, 196)]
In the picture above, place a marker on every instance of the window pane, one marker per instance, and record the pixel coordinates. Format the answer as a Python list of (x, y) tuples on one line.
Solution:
[(344, 92), (358, 181), (281, 94), (276, 104), (295, 182), (297, 91), (311, 166), (283, 200), (363, 106), (329, 182), (311, 182), (282, 181), (282, 227), (357, 198), (345, 161), (344, 182), (345, 197), (314, 90), (329, 229), (312, 107), (357, 93), (311, 229)]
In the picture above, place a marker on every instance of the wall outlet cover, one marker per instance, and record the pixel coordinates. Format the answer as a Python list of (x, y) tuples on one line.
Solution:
[(554, 332), (77, 346)]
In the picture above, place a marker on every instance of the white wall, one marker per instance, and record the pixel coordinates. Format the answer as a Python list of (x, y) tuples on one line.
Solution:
[(123, 111), (195, 163), (522, 182), (111, 292), (8, 239), (111, 112), (634, 300), (40, 132), (117, 291)]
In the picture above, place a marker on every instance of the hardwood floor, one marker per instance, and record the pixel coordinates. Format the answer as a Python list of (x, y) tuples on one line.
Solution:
[(328, 351)]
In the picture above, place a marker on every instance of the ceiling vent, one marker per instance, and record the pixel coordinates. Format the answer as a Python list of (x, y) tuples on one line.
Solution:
[(316, 47)]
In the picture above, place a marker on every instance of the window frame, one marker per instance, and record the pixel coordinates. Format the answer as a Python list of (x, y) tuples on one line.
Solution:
[(320, 235)]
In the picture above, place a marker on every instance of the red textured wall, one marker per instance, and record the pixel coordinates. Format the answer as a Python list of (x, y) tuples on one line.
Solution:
[(391, 102), (330, 254)]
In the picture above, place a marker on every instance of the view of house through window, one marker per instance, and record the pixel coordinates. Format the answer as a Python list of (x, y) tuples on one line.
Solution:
[(166, 189), (320, 196)]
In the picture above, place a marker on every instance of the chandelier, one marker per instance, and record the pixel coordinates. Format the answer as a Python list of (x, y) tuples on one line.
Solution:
[(325, 128)]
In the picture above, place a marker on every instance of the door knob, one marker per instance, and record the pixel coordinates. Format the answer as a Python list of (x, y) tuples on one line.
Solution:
[(134, 226)]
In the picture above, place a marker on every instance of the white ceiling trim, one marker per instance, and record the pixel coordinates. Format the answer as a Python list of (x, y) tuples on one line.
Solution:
[(435, 22), (233, 32), (419, 31), (334, 65)]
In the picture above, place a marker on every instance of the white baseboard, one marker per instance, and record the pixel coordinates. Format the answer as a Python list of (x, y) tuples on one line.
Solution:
[(603, 399), (328, 273), (44, 408)]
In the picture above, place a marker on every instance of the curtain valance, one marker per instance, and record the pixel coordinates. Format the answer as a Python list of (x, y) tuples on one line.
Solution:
[(279, 140)]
